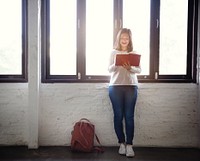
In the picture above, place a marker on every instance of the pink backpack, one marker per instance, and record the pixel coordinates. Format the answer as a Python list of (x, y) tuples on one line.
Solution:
[(82, 139)]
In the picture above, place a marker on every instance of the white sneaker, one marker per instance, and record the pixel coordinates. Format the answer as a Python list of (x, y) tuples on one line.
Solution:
[(129, 151), (122, 149)]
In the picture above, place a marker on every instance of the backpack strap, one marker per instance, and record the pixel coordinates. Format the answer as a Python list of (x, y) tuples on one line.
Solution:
[(98, 148), (86, 120)]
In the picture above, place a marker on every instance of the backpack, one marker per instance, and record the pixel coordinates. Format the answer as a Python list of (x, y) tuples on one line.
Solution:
[(83, 134)]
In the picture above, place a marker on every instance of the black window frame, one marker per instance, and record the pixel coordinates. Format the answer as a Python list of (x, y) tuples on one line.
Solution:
[(117, 19), (18, 78)]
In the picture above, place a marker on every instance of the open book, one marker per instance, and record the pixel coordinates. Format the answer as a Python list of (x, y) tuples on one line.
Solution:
[(132, 59)]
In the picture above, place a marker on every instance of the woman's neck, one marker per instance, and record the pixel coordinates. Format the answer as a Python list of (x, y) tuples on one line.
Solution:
[(124, 49)]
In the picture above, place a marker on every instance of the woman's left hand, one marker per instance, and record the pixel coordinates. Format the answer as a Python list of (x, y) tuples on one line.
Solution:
[(127, 66)]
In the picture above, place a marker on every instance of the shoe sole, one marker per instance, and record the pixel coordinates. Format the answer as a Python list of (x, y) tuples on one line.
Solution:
[(130, 156)]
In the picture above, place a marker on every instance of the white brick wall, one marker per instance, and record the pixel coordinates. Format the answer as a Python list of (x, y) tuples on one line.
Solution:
[(198, 65), (13, 114), (166, 114)]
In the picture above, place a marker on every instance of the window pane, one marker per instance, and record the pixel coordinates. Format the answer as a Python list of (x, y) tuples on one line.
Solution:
[(173, 37), (136, 16), (11, 37), (99, 36), (63, 37)]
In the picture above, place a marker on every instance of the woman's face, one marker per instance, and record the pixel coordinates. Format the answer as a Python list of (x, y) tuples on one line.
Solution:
[(124, 41)]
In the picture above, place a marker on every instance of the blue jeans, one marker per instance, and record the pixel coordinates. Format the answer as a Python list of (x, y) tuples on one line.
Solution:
[(123, 99)]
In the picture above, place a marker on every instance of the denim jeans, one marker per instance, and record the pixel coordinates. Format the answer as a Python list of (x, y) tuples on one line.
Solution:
[(123, 99)]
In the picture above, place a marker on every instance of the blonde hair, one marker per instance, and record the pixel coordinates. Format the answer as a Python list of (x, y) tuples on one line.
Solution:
[(117, 45)]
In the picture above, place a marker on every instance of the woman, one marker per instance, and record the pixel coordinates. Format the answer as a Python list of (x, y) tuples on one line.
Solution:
[(123, 92)]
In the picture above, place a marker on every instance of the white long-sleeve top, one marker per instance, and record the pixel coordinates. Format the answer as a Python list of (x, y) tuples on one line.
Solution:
[(119, 75)]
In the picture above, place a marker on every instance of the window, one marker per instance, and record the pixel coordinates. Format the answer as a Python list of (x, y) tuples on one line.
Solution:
[(140, 27), (78, 37), (99, 32), (13, 41), (173, 37), (63, 37)]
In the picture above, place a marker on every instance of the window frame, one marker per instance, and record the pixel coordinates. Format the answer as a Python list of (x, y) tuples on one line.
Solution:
[(191, 46), (117, 21), (18, 78)]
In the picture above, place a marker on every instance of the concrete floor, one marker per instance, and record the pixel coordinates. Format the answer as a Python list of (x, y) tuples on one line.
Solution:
[(62, 153)]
